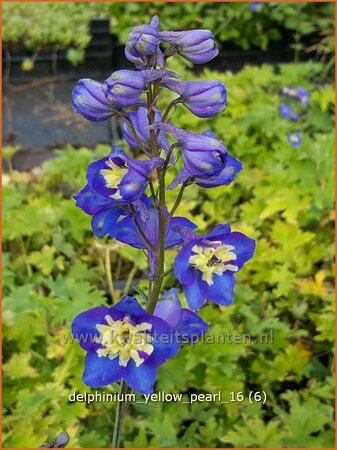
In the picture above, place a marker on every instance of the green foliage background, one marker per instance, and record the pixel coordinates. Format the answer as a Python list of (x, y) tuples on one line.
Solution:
[(54, 268), (67, 25)]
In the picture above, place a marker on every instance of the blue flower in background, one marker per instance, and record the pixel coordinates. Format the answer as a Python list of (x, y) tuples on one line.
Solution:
[(255, 6), (295, 138), (186, 323), (299, 93), (287, 112), (206, 265), (123, 342), (197, 46), (203, 98)]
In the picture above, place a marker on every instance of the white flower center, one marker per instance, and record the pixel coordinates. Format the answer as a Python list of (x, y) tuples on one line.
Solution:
[(113, 176), (214, 259), (123, 340)]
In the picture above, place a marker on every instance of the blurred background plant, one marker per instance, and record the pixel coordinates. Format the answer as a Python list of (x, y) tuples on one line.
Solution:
[(308, 26), (53, 266)]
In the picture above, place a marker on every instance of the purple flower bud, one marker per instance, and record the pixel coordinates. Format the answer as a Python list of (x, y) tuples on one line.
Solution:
[(287, 112), (125, 86), (204, 154), (203, 98), (140, 122), (295, 139), (90, 101), (197, 46), (141, 63), (144, 39), (226, 176)]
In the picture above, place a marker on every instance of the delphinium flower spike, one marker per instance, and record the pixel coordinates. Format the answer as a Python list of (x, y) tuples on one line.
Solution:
[(126, 197)]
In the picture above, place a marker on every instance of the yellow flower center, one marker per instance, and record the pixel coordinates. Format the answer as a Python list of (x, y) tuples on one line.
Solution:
[(292, 92), (123, 340), (215, 259), (295, 138), (113, 176)]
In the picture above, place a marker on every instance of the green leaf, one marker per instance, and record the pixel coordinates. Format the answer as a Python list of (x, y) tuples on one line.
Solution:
[(19, 367)]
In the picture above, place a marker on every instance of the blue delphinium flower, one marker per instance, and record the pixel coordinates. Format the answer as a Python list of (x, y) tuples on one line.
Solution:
[(197, 46), (204, 154), (120, 177), (206, 265), (287, 112), (203, 98), (295, 138), (112, 182), (187, 325), (104, 211), (299, 93), (123, 342)]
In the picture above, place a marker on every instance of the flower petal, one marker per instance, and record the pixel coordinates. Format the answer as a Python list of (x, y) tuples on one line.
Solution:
[(169, 308), (129, 305), (102, 371), (83, 327), (191, 326), (194, 296), (221, 291), (141, 378)]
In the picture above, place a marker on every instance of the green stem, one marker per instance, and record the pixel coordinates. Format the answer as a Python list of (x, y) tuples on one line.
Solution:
[(131, 276), (108, 273), (151, 101), (24, 251), (153, 192), (10, 166), (170, 106), (139, 228), (168, 157), (160, 253), (121, 406), (141, 144), (177, 202), (167, 112)]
